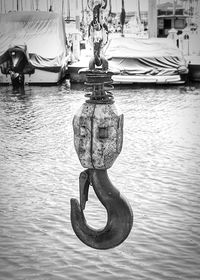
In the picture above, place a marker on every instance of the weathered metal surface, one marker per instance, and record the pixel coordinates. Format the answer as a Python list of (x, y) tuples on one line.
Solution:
[(98, 135), (120, 215)]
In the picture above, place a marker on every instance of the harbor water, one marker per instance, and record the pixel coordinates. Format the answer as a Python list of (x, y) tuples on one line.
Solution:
[(158, 171)]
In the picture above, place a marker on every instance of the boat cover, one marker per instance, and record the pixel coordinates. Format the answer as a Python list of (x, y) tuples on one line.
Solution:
[(42, 32), (155, 56)]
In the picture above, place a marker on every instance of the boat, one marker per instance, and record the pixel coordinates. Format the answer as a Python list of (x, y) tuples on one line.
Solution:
[(182, 24), (132, 60), (188, 43), (194, 68), (152, 60), (138, 59), (33, 48)]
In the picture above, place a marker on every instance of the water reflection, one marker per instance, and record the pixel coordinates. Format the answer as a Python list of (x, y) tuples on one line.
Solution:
[(158, 171)]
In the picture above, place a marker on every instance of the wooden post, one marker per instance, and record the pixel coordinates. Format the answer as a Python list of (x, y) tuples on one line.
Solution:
[(152, 19)]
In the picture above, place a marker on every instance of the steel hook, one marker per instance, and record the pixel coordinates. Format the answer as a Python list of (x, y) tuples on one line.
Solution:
[(120, 216)]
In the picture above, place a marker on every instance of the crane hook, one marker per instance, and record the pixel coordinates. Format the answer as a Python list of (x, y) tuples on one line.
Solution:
[(120, 215)]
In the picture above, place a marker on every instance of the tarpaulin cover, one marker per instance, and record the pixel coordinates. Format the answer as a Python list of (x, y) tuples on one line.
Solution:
[(155, 56), (42, 32)]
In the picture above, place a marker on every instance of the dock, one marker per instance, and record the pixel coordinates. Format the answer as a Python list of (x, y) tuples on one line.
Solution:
[(193, 67)]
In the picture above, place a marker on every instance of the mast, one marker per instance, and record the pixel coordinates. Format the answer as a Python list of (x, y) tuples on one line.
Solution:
[(77, 16), (110, 8), (32, 5), (82, 11), (37, 5), (1, 4), (138, 8), (68, 9), (174, 7), (63, 7), (122, 17), (152, 18)]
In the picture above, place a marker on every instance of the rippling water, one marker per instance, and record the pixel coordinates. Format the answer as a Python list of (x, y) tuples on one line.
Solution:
[(158, 171)]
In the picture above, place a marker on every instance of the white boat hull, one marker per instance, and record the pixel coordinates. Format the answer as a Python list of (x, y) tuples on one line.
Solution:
[(39, 77), (132, 79)]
